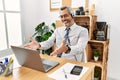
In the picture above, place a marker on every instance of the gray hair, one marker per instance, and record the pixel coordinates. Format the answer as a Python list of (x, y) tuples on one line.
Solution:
[(69, 10)]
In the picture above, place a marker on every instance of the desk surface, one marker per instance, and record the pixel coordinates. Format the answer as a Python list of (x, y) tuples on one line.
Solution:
[(24, 73)]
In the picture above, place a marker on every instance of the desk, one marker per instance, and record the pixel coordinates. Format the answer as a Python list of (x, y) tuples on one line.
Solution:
[(24, 73)]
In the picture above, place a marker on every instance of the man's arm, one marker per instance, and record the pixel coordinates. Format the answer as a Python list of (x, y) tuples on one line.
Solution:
[(33, 44), (81, 44), (79, 47), (63, 48)]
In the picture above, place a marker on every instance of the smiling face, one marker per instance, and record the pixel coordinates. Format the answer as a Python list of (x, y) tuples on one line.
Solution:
[(66, 18)]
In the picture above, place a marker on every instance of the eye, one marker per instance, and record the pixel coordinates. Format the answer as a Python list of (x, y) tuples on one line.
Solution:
[(65, 15)]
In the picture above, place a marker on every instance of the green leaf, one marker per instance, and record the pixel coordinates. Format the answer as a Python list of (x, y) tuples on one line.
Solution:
[(48, 51), (34, 34), (96, 73), (39, 26), (54, 26), (43, 32), (96, 53), (40, 32), (46, 36), (38, 38)]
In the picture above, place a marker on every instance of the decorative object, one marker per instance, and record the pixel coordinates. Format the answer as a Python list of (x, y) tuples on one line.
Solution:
[(80, 11), (42, 33), (92, 10), (101, 33), (74, 4), (96, 75), (96, 54)]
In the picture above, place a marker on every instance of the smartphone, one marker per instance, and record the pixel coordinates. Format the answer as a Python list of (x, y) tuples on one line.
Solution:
[(76, 70)]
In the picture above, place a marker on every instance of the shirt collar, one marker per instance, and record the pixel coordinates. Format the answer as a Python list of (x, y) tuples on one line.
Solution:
[(72, 27)]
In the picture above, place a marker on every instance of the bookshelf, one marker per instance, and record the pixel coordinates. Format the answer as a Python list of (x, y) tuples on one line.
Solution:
[(89, 22)]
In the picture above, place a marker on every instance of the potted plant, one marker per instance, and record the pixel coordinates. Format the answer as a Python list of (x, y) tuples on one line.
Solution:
[(42, 33), (96, 54), (96, 75)]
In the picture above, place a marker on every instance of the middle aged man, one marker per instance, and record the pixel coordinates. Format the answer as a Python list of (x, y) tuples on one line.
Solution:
[(70, 39)]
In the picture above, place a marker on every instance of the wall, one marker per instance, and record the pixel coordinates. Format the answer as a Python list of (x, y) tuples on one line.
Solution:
[(109, 11), (36, 11)]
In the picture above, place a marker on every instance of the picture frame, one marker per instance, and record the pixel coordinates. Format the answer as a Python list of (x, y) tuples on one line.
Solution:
[(74, 4)]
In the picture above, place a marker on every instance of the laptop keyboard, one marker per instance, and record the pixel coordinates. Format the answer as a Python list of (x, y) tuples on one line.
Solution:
[(46, 66)]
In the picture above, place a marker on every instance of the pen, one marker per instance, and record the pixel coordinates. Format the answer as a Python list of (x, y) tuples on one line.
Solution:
[(65, 74)]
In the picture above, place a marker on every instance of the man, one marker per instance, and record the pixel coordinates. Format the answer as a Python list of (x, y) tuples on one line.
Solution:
[(70, 39)]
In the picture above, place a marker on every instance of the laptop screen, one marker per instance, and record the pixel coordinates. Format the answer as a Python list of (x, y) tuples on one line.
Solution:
[(31, 58)]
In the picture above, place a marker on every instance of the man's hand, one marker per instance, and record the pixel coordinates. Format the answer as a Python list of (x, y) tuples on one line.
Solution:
[(61, 49), (32, 45)]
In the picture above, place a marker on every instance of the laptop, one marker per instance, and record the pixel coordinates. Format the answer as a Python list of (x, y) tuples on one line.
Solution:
[(31, 59)]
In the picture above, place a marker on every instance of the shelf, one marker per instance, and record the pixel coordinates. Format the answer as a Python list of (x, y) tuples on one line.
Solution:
[(89, 22), (99, 42), (97, 63), (85, 15)]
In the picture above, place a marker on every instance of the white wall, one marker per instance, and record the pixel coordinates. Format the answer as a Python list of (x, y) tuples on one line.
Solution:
[(109, 10), (36, 11)]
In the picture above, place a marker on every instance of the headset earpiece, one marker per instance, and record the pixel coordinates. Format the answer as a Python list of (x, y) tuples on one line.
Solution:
[(72, 15)]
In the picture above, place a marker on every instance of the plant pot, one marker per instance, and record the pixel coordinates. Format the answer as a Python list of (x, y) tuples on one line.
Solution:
[(95, 78), (96, 58)]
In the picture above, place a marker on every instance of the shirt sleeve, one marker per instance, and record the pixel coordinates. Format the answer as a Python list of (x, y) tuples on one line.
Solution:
[(81, 44), (48, 43)]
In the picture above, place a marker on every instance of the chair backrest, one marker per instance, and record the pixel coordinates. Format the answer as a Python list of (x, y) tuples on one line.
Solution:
[(58, 23)]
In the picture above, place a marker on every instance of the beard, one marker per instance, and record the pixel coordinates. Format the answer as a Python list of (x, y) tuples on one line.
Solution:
[(67, 23)]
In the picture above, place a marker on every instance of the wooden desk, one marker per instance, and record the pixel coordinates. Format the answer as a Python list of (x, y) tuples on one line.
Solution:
[(24, 73)]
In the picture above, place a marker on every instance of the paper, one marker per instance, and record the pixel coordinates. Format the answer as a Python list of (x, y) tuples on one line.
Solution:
[(60, 74)]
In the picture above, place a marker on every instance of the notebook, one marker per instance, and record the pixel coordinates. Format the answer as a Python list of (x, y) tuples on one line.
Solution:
[(31, 59)]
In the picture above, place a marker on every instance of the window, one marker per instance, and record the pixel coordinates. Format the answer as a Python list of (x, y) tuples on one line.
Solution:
[(10, 24)]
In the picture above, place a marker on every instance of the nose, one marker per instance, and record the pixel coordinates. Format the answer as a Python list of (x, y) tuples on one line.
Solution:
[(63, 18)]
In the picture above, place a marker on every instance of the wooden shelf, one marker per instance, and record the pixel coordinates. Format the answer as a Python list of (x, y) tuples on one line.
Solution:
[(97, 63), (89, 22), (85, 16), (100, 42)]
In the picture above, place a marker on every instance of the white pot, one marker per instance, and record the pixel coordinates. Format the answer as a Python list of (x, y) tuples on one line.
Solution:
[(96, 58), (95, 78)]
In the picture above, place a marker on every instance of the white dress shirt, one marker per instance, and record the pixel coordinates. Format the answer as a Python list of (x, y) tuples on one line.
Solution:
[(78, 40)]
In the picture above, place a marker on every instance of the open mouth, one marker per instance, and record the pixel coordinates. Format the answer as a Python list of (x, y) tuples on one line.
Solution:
[(66, 22)]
